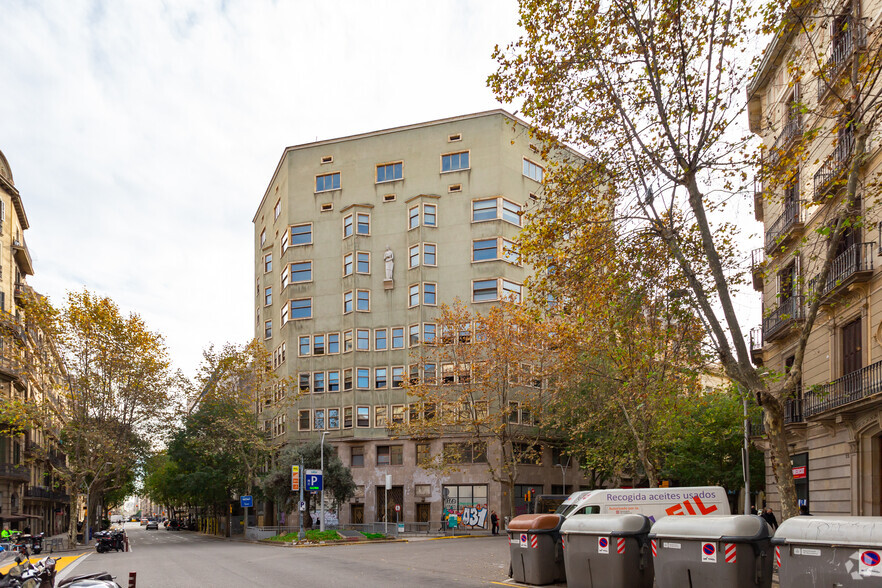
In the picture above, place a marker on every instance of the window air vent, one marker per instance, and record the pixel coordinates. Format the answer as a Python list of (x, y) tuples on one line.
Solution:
[(454, 188), (452, 138), (389, 198), (327, 159), (327, 207)]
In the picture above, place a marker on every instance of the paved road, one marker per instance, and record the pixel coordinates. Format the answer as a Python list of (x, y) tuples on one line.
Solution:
[(184, 559)]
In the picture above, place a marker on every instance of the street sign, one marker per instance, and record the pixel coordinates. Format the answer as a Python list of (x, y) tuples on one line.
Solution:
[(246, 501), (314, 480), (295, 478), (302, 506), (397, 508), (388, 481)]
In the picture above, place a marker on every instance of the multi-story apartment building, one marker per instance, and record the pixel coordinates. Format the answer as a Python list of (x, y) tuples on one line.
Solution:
[(28, 372), (358, 240), (797, 105)]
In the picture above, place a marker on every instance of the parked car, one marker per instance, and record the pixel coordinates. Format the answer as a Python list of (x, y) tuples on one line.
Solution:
[(152, 525), (144, 521)]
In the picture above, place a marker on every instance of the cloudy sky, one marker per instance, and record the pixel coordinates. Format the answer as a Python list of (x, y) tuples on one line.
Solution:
[(142, 135)]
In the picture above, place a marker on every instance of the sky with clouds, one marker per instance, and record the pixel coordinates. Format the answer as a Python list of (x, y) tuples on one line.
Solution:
[(142, 135)]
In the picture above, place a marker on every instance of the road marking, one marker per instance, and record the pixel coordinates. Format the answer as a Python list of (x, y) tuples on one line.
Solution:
[(60, 563)]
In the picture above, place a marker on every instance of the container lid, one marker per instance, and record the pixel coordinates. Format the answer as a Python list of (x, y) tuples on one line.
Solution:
[(606, 524), (855, 531), (729, 527), (535, 522)]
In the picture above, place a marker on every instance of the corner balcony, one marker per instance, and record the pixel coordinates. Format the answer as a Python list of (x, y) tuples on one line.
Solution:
[(784, 226), (757, 267), (829, 177), (778, 323), (846, 392), (854, 265), (756, 346), (22, 256)]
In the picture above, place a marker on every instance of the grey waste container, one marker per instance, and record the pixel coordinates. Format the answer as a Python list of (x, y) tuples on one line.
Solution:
[(829, 551), (712, 552), (607, 551), (534, 545)]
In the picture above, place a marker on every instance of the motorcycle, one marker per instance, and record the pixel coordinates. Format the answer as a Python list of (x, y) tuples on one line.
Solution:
[(109, 540), (27, 575), (96, 580)]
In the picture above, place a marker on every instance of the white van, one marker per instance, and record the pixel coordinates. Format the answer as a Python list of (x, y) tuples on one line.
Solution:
[(655, 503)]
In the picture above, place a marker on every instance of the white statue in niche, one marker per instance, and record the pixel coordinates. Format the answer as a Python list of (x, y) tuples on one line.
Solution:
[(389, 257)]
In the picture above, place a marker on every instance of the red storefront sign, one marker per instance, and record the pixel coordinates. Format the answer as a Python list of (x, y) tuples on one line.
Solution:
[(800, 472)]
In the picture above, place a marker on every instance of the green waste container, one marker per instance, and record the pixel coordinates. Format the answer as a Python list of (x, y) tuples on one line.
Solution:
[(607, 551), (725, 551), (535, 548), (814, 551)]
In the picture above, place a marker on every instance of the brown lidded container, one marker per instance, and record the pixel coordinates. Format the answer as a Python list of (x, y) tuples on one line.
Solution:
[(535, 548)]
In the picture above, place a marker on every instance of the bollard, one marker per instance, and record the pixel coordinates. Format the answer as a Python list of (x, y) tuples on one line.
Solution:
[(126, 542), (133, 576)]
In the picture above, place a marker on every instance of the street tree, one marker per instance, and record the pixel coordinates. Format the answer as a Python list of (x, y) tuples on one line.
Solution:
[(484, 380), (654, 95)]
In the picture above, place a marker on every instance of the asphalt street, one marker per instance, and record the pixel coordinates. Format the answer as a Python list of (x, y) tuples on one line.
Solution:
[(183, 559)]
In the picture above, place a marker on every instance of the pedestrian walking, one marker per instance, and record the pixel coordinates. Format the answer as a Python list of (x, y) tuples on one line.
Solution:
[(494, 521), (753, 510), (769, 517)]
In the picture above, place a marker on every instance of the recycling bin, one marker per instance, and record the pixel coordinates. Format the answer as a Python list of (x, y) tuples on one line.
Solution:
[(712, 551), (607, 551), (535, 548), (829, 551)]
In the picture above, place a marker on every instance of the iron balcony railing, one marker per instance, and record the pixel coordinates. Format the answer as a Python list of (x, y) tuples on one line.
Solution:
[(793, 413), (852, 387), (14, 471), (846, 267), (841, 51), (790, 218), (757, 265), (38, 492), (758, 199), (756, 344), (788, 312), (833, 167)]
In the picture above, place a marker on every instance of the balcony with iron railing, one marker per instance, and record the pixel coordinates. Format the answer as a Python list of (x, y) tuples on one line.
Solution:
[(756, 345), (793, 414), (784, 226), (38, 492), (757, 267), (22, 256), (842, 392), (853, 265), (12, 471), (828, 177), (790, 312), (758, 201), (841, 51)]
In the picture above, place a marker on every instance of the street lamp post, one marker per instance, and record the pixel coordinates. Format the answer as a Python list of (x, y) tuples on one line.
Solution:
[(322, 468), (563, 473), (88, 492)]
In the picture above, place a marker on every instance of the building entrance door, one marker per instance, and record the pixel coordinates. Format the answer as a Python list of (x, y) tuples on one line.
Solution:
[(423, 512), (356, 514), (851, 360), (396, 497)]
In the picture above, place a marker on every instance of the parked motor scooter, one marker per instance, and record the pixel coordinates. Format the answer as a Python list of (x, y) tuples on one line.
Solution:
[(96, 580), (109, 540), (26, 574)]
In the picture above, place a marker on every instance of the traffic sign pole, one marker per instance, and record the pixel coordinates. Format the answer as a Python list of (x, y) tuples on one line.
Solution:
[(301, 535)]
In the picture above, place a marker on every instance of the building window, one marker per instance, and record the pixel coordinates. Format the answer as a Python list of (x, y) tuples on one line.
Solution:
[(347, 226), (301, 235), (326, 182), (363, 262), (304, 383), (390, 454), (334, 381), (363, 300), (333, 342), (318, 421), (397, 337), (389, 172), (429, 373), (347, 418), (363, 339), (381, 378), (362, 378), (277, 210), (485, 249), (514, 413), (429, 215), (413, 296), (429, 254), (511, 212), (496, 208), (301, 272), (423, 453), (285, 275), (455, 161), (347, 341), (474, 452), (380, 342), (284, 314), (413, 256), (381, 414), (303, 420), (347, 379), (430, 293), (511, 291), (347, 302), (363, 225), (268, 296), (333, 418), (485, 290), (429, 333), (413, 217), (356, 458), (348, 260), (397, 377), (413, 336), (399, 414), (268, 330), (318, 382), (301, 308), (533, 171), (268, 263), (263, 238), (363, 417), (304, 348), (318, 345)]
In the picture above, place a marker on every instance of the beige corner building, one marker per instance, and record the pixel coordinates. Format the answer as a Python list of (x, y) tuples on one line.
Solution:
[(29, 497), (834, 423), (357, 242)]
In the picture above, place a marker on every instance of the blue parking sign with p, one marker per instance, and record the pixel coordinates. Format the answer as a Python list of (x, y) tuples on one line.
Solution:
[(314, 480)]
